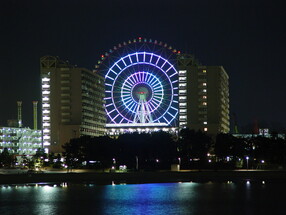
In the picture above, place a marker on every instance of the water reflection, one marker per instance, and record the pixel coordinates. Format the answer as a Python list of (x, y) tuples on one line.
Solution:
[(148, 198), (170, 198)]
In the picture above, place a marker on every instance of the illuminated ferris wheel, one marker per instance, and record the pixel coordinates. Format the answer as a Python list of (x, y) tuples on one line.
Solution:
[(141, 84)]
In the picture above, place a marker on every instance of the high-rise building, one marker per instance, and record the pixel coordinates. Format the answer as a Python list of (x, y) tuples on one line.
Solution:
[(203, 96), (72, 102)]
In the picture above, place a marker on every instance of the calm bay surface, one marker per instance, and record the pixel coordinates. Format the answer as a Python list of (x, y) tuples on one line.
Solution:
[(161, 198)]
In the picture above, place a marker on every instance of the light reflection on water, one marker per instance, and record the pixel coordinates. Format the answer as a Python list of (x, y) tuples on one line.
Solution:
[(157, 199)]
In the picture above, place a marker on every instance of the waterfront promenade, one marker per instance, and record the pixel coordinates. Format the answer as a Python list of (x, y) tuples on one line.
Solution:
[(146, 177)]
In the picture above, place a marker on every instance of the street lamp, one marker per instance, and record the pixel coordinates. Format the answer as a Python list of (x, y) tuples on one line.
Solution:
[(247, 158), (179, 166), (136, 157)]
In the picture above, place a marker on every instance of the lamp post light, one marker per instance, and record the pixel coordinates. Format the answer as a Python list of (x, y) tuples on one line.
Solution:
[(179, 166), (137, 166), (247, 158)]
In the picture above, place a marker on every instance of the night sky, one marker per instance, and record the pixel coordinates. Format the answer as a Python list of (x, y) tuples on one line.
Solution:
[(246, 37)]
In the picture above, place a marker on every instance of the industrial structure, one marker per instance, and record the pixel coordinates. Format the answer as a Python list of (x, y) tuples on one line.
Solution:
[(72, 102), (21, 140)]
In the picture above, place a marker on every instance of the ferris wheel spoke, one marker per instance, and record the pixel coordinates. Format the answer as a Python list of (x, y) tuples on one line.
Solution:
[(134, 107), (163, 64), (176, 109), (156, 84), (127, 89), (128, 101), (171, 67), (122, 59), (149, 77), (172, 75), (166, 120), (142, 77), (110, 78), (113, 72), (139, 77), (153, 106)]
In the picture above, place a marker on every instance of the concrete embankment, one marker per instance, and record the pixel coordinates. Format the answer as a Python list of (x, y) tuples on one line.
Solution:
[(145, 177)]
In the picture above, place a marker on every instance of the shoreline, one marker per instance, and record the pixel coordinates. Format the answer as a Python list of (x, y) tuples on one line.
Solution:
[(147, 177)]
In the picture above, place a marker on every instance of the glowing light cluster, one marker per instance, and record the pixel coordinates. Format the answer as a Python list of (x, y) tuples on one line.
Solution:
[(137, 40), (141, 75)]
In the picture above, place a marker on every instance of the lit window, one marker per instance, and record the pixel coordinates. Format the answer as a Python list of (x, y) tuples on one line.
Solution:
[(205, 129), (46, 143), (204, 84), (182, 97), (182, 91), (183, 104), (182, 78), (204, 90), (205, 123), (182, 85), (46, 137), (181, 72), (45, 118), (183, 110), (204, 97), (45, 86), (46, 92), (45, 79), (204, 71), (46, 99), (204, 103), (183, 123)]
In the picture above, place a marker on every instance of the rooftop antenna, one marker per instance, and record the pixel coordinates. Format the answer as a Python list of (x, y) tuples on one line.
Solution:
[(35, 111), (19, 113), (235, 123)]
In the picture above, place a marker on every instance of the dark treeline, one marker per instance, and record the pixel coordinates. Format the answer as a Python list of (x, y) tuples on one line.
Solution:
[(134, 150), (191, 149)]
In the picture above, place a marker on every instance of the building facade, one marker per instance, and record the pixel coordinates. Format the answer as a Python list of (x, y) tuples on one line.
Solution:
[(72, 102), (203, 96), (20, 141)]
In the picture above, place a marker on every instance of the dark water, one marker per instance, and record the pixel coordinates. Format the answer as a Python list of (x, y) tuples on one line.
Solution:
[(171, 198)]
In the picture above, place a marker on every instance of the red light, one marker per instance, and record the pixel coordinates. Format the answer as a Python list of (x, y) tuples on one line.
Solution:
[(179, 52), (140, 38), (102, 56)]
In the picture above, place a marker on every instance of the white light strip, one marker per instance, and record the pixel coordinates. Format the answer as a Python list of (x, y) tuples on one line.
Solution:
[(136, 125)]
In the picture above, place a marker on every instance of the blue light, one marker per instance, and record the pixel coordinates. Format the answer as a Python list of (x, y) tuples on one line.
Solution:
[(137, 70)]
